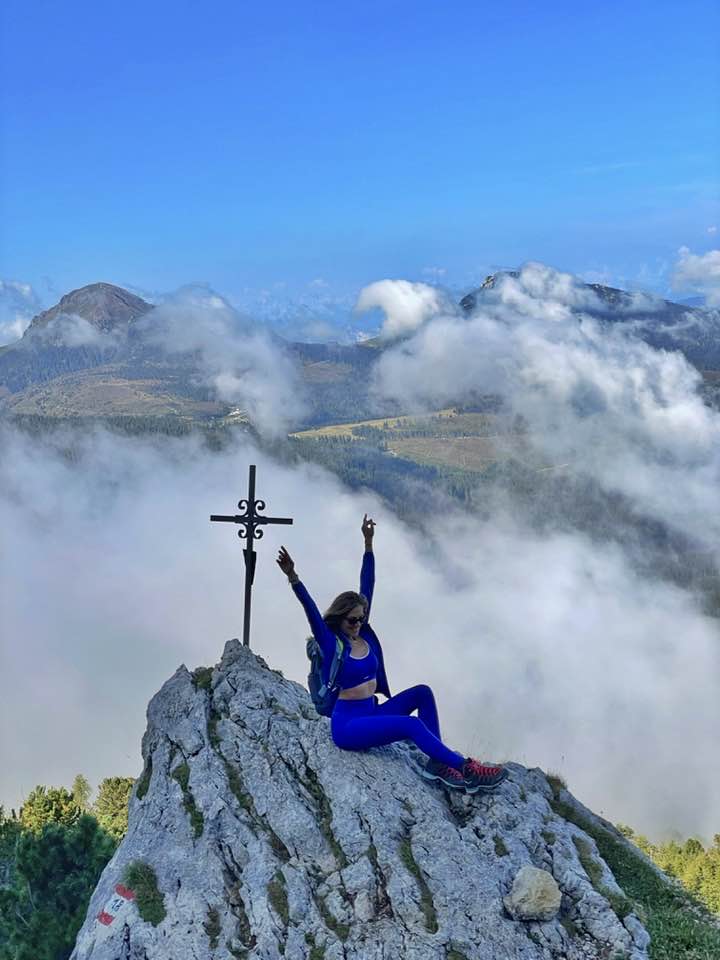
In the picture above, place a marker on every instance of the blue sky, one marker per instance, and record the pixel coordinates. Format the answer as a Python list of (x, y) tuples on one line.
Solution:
[(251, 146)]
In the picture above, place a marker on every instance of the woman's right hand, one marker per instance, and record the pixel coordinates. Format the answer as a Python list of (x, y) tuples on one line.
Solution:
[(285, 562)]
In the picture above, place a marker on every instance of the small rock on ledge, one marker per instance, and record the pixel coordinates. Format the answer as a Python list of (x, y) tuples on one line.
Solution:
[(534, 896)]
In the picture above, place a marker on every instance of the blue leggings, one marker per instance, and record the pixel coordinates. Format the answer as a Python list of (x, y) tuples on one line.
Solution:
[(359, 724)]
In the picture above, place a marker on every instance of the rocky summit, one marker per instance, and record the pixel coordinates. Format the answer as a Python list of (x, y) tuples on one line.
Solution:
[(104, 306), (252, 835)]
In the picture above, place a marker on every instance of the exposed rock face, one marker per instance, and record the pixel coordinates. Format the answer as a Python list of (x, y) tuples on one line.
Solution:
[(87, 328), (535, 895), (104, 306), (268, 841)]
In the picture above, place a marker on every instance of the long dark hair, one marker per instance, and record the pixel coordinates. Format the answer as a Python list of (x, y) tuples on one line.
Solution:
[(341, 607)]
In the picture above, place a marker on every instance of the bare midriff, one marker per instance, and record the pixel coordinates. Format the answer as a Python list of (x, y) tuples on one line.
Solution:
[(363, 690)]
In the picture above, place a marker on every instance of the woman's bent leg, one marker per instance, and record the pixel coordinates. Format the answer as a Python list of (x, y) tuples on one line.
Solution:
[(418, 698), (359, 733)]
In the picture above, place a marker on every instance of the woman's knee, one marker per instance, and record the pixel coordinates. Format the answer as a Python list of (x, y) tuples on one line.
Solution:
[(425, 692)]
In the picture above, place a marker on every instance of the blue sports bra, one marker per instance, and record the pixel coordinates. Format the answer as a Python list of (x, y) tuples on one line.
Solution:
[(356, 671)]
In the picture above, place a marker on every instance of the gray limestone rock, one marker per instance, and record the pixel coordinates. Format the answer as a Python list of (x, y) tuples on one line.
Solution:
[(268, 841)]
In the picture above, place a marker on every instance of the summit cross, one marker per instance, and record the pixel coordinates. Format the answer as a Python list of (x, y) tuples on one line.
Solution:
[(250, 523)]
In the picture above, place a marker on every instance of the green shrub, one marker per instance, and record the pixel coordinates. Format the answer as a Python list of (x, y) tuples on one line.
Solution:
[(181, 773), (426, 901), (619, 903), (314, 787), (341, 930), (212, 927), (500, 849), (556, 782), (202, 678), (277, 895), (141, 879)]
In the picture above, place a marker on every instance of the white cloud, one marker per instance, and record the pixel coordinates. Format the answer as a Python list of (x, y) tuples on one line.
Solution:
[(19, 303), (699, 272), (621, 412), (237, 360), (712, 229), (406, 305), (547, 649), (71, 330)]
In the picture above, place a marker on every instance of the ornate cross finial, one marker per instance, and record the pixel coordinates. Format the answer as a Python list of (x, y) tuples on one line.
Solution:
[(250, 523)]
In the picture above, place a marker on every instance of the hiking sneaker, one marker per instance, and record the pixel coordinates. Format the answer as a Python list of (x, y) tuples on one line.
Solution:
[(449, 776), (480, 776)]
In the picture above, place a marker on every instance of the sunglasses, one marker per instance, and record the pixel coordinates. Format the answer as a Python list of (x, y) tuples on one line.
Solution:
[(353, 620)]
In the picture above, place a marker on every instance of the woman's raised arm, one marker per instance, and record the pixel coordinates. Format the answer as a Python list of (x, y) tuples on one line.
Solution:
[(367, 571), (322, 633)]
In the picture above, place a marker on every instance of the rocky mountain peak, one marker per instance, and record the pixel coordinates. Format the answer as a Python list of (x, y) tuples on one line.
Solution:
[(606, 299), (252, 835), (106, 307)]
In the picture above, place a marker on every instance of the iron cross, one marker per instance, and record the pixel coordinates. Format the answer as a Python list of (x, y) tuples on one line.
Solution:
[(250, 529)]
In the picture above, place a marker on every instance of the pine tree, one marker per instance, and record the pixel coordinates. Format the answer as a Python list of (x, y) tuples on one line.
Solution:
[(9, 833), (111, 806), (47, 805), (56, 871), (81, 791)]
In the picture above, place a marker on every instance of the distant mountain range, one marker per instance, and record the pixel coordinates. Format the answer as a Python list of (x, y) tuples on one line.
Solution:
[(95, 354)]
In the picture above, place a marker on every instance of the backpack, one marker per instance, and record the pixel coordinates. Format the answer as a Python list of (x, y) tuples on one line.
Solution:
[(324, 695)]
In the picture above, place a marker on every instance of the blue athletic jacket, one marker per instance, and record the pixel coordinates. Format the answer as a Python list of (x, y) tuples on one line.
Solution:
[(324, 635)]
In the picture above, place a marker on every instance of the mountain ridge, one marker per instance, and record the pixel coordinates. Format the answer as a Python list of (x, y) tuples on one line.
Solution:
[(94, 332)]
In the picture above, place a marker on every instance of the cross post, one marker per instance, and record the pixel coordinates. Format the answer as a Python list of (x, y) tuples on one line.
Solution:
[(250, 523)]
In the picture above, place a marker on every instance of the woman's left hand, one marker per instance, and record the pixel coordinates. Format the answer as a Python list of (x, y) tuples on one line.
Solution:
[(368, 529)]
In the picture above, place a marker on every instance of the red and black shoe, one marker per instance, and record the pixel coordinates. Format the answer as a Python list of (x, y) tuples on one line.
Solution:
[(480, 776), (449, 776)]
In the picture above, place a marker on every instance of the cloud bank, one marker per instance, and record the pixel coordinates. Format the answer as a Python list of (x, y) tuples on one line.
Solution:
[(546, 647), (700, 273), (237, 360), (621, 412), (549, 650)]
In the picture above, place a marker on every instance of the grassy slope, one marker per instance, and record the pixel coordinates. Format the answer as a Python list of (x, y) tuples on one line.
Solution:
[(680, 927)]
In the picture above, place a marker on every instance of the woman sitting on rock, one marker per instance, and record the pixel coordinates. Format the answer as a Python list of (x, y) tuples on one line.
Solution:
[(358, 721)]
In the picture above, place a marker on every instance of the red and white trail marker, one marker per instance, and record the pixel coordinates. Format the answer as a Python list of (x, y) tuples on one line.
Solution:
[(112, 908)]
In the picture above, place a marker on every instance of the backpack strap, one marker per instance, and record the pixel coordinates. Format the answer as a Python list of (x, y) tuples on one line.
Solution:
[(336, 662)]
